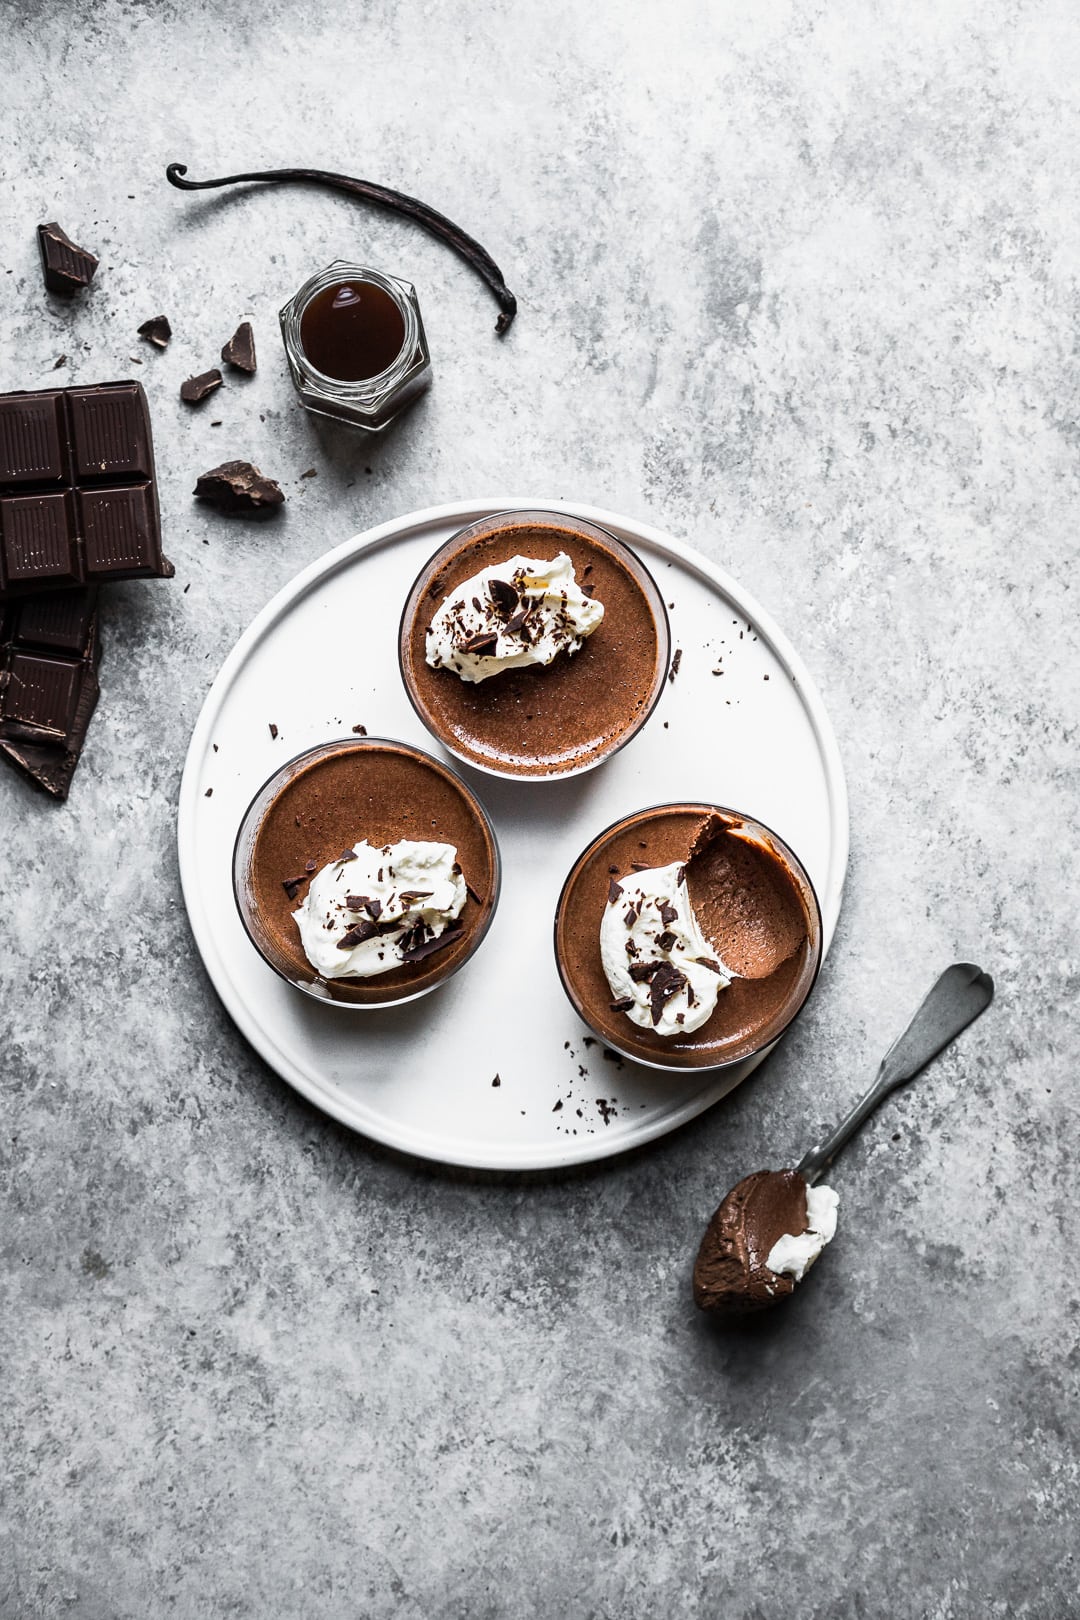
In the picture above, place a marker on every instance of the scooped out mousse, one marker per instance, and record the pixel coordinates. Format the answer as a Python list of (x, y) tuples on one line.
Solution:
[(366, 871), (534, 645), (765, 1236), (688, 937)]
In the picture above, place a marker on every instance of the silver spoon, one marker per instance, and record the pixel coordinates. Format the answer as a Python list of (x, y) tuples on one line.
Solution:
[(961, 993), (731, 1273)]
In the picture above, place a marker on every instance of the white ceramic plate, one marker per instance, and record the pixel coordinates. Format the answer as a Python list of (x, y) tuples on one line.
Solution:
[(421, 1077)]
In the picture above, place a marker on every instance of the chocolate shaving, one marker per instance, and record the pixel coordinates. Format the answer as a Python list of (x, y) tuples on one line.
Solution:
[(482, 643), (65, 266), (614, 891), (357, 934), (364, 902), (503, 595), (196, 389), (349, 855), (238, 489), (707, 962), (239, 352), (640, 866), (156, 331), (311, 866), (291, 885), (516, 621), (361, 731), (420, 953), (409, 897), (623, 1004), (666, 982), (675, 662)]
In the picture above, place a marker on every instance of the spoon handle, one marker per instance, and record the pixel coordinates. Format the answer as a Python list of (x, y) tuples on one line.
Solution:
[(956, 1000)]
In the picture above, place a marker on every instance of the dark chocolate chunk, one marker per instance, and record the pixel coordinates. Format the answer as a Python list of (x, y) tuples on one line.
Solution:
[(482, 643), (61, 360), (239, 490), (614, 891), (623, 1004), (196, 389), (675, 662), (668, 913), (361, 731), (642, 972), (707, 962), (59, 632), (557, 1106), (291, 885), (78, 504), (503, 595), (516, 622), (240, 349), (66, 267), (311, 866), (471, 892), (420, 952), (666, 982), (356, 935), (640, 866), (272, 729), (156, 331), (497, 1081), (349, 855), (667, 941)]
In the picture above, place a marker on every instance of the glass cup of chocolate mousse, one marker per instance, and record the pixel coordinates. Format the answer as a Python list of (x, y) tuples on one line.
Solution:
[(365, 872), (534, 645), (688, 936)]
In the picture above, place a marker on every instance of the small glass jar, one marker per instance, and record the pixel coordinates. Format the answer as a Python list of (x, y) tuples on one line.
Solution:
[(365, 402)]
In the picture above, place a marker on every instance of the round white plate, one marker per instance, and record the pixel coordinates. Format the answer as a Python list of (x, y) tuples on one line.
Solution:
[(494, 1070)]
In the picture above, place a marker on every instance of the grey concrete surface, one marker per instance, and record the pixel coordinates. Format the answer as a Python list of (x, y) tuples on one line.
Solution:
[(798, 283)]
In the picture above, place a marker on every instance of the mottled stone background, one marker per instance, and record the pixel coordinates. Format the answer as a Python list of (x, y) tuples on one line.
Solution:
[(798, 283)]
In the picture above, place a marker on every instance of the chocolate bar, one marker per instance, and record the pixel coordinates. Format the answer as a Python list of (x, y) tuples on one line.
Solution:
[(78, 500), (49, 653)]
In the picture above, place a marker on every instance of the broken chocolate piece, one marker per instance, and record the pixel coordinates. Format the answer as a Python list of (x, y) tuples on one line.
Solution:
[(642, 972), (240, 349), (504, 596), (238, 489), (356, 935), (272, 729), (614, 891), (49, 652), (196, 389), (311, 866), (707, 962), (291, 885), (667, 941), (350, 855), (361, 731), (675, 662), (156, 331), (66, 267), (516, 622), (668, 913), (623, 1004)]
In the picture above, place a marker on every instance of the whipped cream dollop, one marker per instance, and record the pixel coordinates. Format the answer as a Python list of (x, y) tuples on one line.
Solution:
[(664, 974), (522, 611), (793, 1256), (378, 906)]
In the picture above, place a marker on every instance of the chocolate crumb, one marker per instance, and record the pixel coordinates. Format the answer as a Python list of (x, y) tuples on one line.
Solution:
[(497, 1081), (61, 360), (312, 472), (361, 731), (588, 1040), (612, 1057), (273, 729), (156, 331), (311, 866), (675, 662), (208, 792), (291, 885), (349, 855), (482, 643), (707, 962), (640, 866), (614, 892), (668, 913), (196, 389), (557, 1106), (614, 870), (504, 596)]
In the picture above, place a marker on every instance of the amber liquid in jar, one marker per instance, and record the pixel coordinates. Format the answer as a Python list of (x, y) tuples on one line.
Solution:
[(352, 330)]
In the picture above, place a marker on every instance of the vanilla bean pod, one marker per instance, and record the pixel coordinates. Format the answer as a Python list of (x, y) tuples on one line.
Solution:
[(429, 219)]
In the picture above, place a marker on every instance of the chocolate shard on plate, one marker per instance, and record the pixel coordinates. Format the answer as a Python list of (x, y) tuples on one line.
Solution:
[(49, 652), (156, 331), (196, 389), (66, 267), (240, 349), (239, 490), (78, 500)]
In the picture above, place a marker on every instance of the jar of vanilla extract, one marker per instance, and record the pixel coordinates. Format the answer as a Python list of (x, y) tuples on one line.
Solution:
[(355, 343)]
